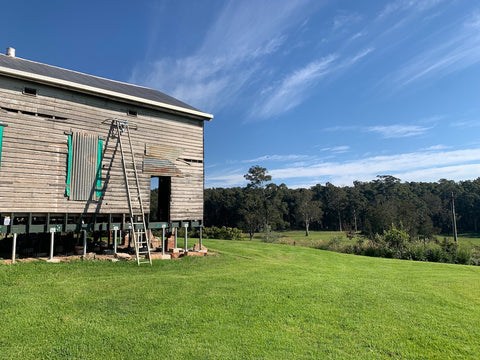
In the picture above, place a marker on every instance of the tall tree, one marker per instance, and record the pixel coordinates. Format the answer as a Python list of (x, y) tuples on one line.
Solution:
[(309, 210), (251, 212), (258, 182), (335, 200)]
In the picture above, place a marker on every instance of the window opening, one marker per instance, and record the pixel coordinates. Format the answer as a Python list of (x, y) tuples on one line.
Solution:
[(30, 91), (193, 161), (132, 113), (46, 116)]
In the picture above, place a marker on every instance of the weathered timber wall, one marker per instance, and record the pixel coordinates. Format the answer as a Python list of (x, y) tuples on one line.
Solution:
[(35, 150)]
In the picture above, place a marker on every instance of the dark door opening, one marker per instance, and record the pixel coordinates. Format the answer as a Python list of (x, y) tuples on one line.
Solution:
[(160, 198)]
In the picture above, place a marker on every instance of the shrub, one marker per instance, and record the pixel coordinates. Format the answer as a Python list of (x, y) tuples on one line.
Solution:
[(224, 233), (434, 253), (335, 243), (269, 236), (396, 239), (449, 250), (464, 255)]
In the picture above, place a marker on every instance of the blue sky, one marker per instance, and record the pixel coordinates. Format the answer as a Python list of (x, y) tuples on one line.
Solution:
[(315, 91)]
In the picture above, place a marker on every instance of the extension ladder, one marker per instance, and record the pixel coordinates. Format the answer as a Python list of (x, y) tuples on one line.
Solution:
[(139, 231)]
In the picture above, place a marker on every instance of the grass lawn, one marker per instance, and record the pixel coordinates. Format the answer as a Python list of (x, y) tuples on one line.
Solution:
[(253, 301)]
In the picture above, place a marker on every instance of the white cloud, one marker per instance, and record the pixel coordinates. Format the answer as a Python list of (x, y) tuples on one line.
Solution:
[(386, 131), (292, 90), (341, 128), (417, 166), (415, 6), (238, 40), (457, 51), (291, 157), (398, 131), (337, 149), (358, 35), (343, 20), (436, 147)]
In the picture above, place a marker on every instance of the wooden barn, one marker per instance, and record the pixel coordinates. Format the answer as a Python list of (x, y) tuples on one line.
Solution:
[(81, 153)]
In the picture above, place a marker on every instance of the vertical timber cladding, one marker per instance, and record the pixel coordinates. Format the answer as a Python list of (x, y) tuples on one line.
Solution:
[(85, 157)]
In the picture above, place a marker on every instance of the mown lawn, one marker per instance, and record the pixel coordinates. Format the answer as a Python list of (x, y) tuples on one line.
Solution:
[(253, 301)]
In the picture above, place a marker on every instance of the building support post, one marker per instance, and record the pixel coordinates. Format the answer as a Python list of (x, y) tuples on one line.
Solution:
[(52, 242), (163, 239), (175, 246), (200, 237), (14, 248), (186, 236), (84, 242), (115, 240)]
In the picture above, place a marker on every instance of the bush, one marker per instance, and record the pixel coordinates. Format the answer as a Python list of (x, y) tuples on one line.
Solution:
[(464, 255), (269, 236), (397, 239), (224, 233), (335, 243), (434, 253), (415, 251)]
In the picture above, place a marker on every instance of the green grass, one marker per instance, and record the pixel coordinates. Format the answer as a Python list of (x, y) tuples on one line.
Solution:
[(314, 239), (253, 301)]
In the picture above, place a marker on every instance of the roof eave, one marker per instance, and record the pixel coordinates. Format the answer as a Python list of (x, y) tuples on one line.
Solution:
[(104, 93)]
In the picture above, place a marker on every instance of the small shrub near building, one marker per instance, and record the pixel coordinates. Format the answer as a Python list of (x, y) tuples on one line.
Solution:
[(223, 233)]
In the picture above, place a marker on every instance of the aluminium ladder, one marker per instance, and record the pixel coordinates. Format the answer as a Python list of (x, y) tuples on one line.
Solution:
[(140, 234)]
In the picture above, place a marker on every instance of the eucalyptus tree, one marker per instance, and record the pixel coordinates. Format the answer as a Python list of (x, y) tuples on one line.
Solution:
[(257, 186), (308, 209)]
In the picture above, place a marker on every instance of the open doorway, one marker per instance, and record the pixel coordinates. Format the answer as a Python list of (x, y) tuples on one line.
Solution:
[(160, 187)]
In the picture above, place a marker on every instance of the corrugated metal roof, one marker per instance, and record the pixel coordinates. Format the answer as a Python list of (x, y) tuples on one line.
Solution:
[(53, 72)]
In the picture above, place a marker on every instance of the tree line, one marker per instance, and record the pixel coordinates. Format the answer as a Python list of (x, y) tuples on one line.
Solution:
[(422, 209)]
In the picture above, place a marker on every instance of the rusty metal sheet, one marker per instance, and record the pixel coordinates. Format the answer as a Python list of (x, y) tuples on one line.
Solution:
[(160, 160)]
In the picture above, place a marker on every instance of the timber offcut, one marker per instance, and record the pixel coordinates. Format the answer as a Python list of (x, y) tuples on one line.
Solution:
[(80, 153)]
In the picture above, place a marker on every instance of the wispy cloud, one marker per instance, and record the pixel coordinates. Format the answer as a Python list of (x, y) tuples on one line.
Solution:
[(337, 149), (400, 6), (344, 20), (398, 131), (292, 89), (341, 128), (416, 166), (242, 36), (291, 157), (458, 49), (385, 131), (436, 147)]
